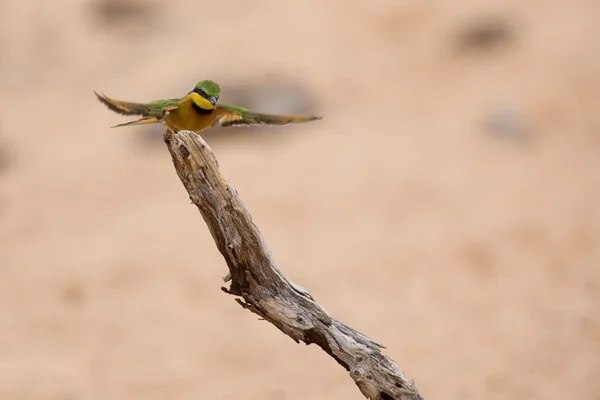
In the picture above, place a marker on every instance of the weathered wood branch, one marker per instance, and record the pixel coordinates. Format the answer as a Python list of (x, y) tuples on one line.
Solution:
[(264, 289)]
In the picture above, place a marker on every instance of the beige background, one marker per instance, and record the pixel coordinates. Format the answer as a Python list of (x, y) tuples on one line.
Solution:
[(448, 204)]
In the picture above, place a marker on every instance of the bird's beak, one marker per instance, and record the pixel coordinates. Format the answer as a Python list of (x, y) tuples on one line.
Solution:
[(213, 100)]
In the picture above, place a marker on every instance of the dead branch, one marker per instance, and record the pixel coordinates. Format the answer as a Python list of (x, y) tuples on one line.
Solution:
[(263, 287)]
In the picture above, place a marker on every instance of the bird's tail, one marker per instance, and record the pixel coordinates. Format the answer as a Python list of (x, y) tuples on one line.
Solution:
[(145, 120)]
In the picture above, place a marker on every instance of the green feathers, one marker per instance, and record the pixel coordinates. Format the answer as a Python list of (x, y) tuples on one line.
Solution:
[(181, 109), (211, 88), (230, 115), (152, 109)]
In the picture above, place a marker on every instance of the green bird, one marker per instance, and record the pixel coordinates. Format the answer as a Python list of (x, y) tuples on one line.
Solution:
[(196, 111)]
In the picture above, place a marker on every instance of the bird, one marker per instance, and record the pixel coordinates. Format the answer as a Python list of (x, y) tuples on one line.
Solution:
[(198, 110)]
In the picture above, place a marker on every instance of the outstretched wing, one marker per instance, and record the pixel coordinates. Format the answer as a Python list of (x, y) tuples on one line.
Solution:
[(156, 109), (230, 115)]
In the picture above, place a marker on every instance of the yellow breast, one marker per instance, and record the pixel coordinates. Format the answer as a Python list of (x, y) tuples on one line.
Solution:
[(195, 113)]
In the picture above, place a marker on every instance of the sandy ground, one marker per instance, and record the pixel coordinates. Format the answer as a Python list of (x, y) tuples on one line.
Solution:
[(448, 204)]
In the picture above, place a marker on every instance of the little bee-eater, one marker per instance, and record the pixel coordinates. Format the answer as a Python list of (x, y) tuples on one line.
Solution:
[(196, 111)]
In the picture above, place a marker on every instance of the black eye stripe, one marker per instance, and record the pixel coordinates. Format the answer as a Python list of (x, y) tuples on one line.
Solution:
[(200, 92), (203, 94)]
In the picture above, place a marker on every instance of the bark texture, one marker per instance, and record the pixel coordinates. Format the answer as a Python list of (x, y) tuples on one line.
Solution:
[(259, 285)]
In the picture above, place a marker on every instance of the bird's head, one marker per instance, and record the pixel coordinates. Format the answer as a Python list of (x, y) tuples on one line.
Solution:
[(210, 90)]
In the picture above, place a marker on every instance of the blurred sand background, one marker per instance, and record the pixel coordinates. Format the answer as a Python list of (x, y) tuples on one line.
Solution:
[(448, 204)]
